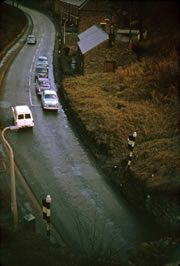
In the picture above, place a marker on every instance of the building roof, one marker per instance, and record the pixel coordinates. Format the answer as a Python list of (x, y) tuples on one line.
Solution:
[(77, 3), (91, 37)]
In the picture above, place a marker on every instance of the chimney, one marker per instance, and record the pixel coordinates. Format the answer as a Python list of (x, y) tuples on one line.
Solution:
[(111, 35)]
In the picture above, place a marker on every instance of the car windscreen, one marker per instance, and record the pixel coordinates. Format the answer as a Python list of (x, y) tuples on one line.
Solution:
[(42, 63), (50, 96), (44, 83), (42, 60), (41, 70), (31, 38)]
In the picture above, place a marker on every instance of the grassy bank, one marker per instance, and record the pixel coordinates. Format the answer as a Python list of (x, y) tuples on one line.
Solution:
[(15, 19), (143, 97), (111, 106)]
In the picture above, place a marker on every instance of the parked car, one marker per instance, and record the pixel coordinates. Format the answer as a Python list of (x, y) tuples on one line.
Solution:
[(42, 64), (42, 84), (31, 39), (49, 100), (41, 72), (22, 116), (42, 60)]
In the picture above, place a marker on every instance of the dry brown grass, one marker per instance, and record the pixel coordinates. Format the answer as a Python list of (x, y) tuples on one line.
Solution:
[(111, 106), (143, 98)]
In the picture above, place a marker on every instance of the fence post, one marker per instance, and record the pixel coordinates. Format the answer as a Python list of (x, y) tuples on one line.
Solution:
[(47, 212), (131, 144), (44, 209)]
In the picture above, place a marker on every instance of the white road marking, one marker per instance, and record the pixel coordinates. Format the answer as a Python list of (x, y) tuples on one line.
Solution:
[(31, 68), (30, 88), (30, 96), (33, 58)]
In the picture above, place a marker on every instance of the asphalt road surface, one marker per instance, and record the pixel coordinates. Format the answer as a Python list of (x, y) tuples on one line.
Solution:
[(90, 214)]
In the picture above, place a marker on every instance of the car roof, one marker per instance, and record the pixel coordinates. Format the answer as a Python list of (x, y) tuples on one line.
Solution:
[(22, 108), (42, 57), (42, 63), (49, 92), (43, 79), (31, 36), (41, 67)]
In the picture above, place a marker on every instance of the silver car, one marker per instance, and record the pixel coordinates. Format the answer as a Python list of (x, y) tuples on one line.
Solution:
[(42, 64), (42, 84), (31, 39), (41, 72), (49, 100), (42, 61)]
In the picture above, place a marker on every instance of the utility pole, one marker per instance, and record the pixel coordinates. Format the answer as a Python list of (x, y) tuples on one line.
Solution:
[(64, 32), (140, 8), (131, 144), (46, 208), (130, 26)]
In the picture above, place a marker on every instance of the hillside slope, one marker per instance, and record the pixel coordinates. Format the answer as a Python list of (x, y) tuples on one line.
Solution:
[(12, 21), (143, 97)]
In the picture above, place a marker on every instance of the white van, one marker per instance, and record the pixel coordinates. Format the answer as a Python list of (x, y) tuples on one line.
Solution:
[(22, 116)]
